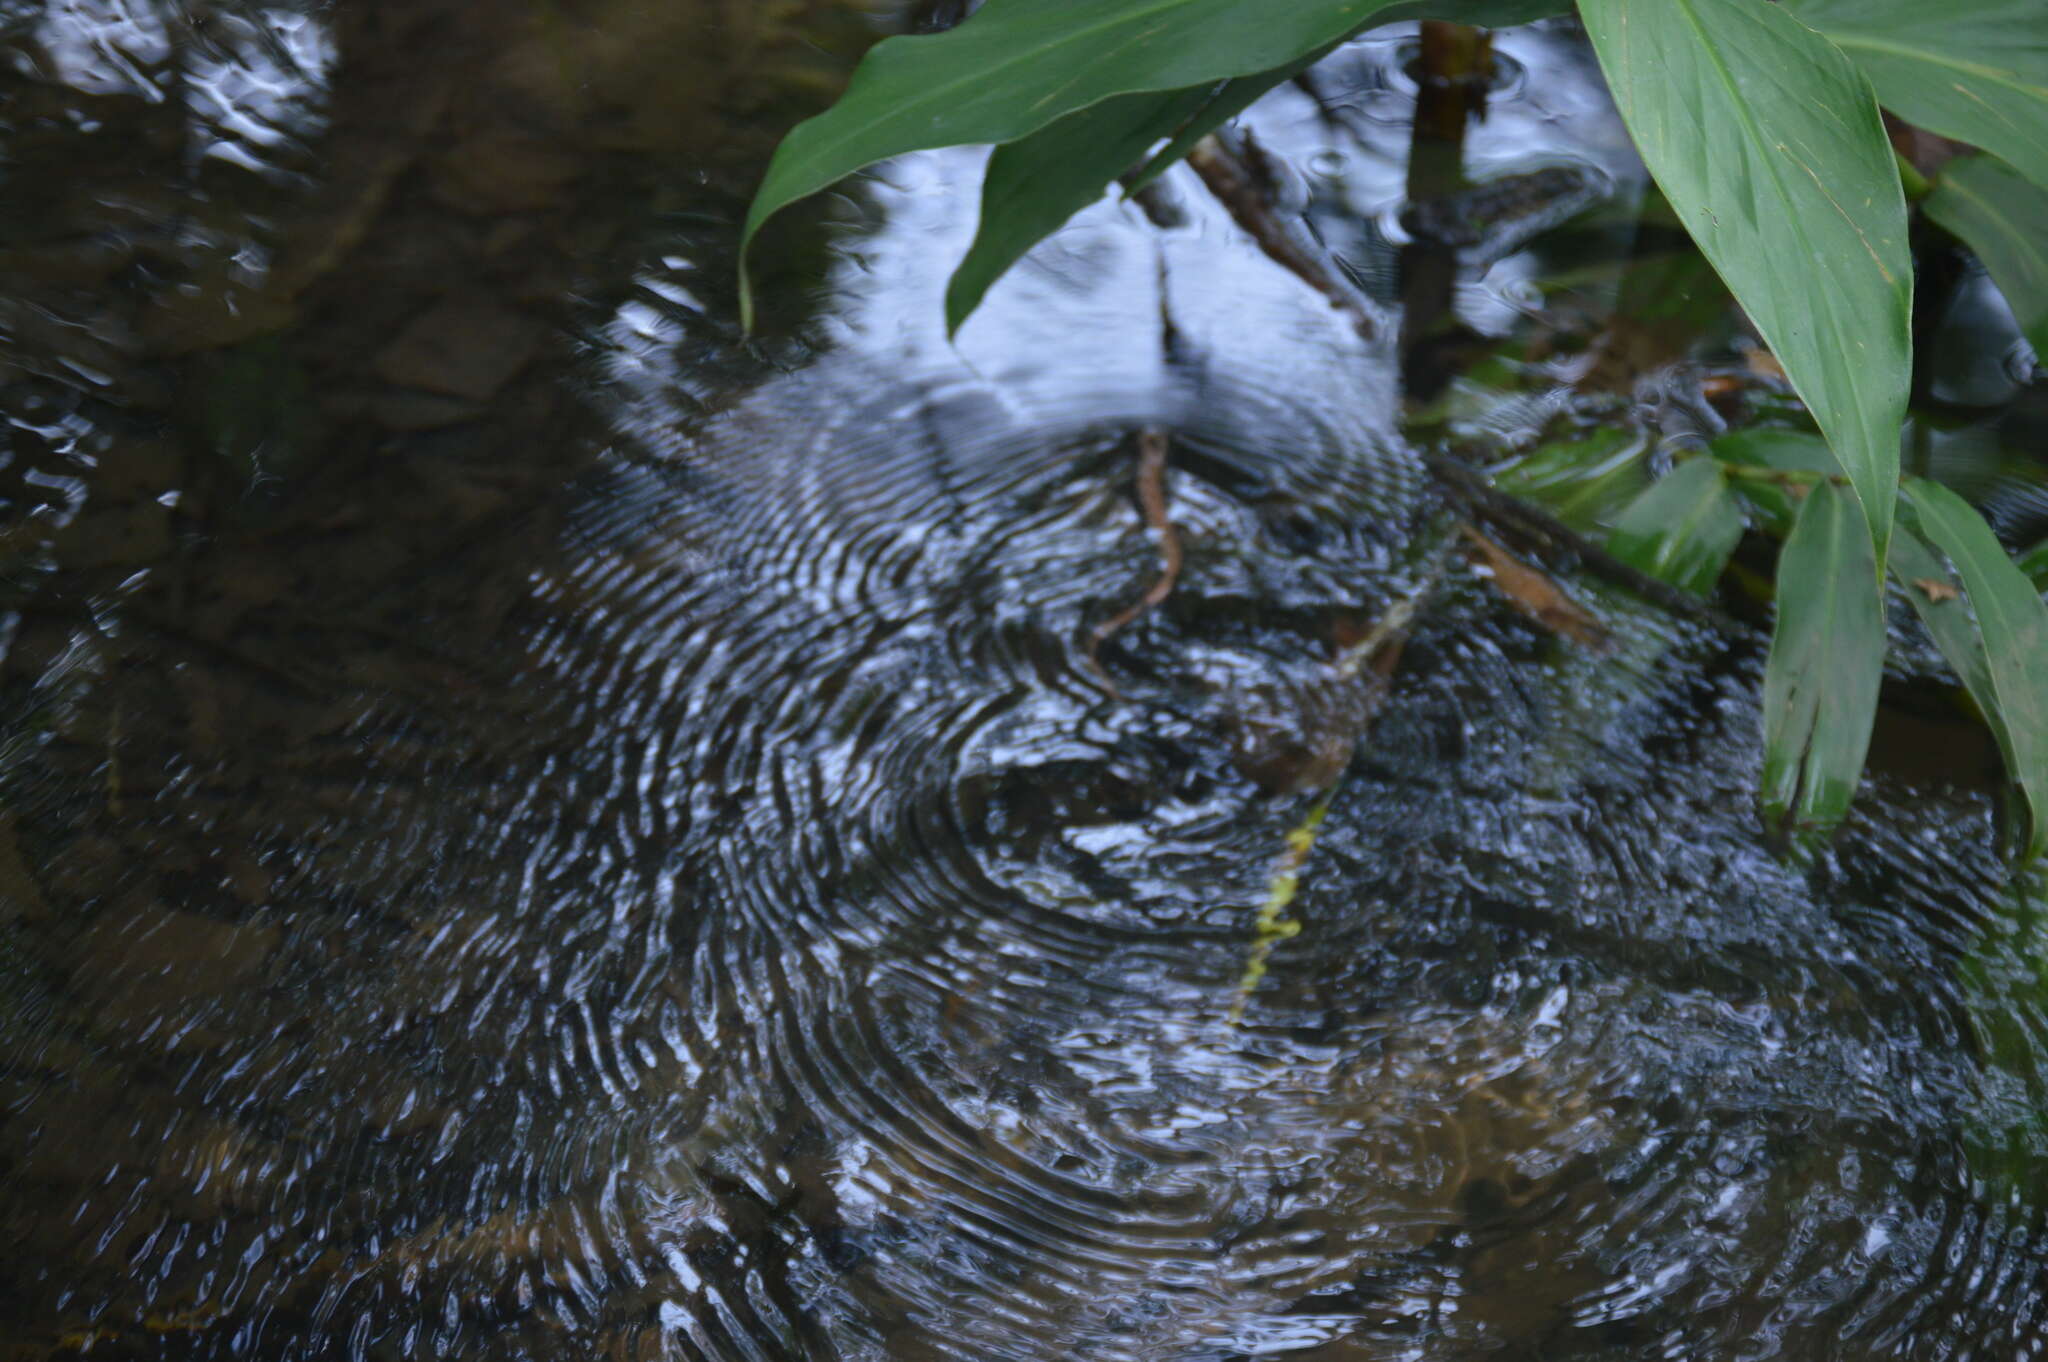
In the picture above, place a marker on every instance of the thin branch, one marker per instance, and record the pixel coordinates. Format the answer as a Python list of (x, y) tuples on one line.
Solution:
[(1235, 171), (1151, 487), (1545, 536), (1227, 167)]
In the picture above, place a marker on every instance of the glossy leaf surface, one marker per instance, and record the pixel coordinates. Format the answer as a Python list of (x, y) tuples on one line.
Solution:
[(1018, 65), (2013, 624), (1683, 528), (1820, 684), (1974, 70), (1926, 580), (1767, 142), (2004, 219)]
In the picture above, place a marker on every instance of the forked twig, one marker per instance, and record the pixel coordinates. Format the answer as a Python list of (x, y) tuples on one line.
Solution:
[(1151, 487)]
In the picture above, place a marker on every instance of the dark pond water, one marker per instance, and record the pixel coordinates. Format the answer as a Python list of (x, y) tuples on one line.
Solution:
[(530, 828)]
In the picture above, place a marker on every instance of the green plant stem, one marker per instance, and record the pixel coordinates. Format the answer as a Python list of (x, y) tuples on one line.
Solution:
[(1800, 479), (1916, 185)]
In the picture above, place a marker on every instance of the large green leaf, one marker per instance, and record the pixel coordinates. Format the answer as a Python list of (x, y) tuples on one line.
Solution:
[(1820, 685), (1018, 65), (1768, 143), (2004, 220), (2013, 623), (1683, 528), (1036, 183), (1974, 70)]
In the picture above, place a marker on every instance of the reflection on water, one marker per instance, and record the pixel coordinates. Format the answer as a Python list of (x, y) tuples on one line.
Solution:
[(531, 829)]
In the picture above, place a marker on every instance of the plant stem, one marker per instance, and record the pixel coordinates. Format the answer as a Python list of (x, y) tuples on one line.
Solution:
[(1452, 72), (1783, 477), (1916, 185)]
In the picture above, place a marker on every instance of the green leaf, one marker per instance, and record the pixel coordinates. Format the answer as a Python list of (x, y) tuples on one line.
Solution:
[(1974, 70), (2005, 221), (1683, 528), (2034, 563), (1035, 184), (1787, 451), (1233, 99), (1584, 483), (1917, 566), (1827, 654), (1480, 13), (1768, 143), (2013, 623), (1018, 65), (1752, 457)]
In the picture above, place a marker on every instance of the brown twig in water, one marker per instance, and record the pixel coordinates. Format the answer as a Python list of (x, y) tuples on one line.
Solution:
[(1536, 595), (1234, 178), (1236, 183), (1151, 485), (1546, 537)]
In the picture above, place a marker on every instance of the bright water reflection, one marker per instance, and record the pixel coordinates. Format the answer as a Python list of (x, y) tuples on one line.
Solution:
[(719, 912)]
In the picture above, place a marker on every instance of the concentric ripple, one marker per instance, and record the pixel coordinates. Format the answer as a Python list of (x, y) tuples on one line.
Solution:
[(812, 951)]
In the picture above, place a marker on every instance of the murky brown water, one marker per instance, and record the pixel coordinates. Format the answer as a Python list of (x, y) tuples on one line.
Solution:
[(530, 828)]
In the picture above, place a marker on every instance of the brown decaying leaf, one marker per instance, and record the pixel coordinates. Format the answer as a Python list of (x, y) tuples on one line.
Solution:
[(1934, 589), (1536, 596)]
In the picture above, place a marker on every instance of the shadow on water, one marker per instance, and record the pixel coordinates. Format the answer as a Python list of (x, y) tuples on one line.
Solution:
[(530, 828)]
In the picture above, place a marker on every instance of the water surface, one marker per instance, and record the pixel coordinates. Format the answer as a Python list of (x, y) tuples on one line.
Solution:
[(534, 828)]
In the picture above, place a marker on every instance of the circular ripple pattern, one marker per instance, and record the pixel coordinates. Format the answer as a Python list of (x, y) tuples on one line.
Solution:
[(813, 953)]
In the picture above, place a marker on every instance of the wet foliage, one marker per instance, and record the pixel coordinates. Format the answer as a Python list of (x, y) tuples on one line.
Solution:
[(1762, 132)]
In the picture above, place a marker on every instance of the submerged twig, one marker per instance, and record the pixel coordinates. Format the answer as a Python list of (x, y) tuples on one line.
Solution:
[(1151, 487), (1545, 536), (1237, 174), (1536, 596)]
